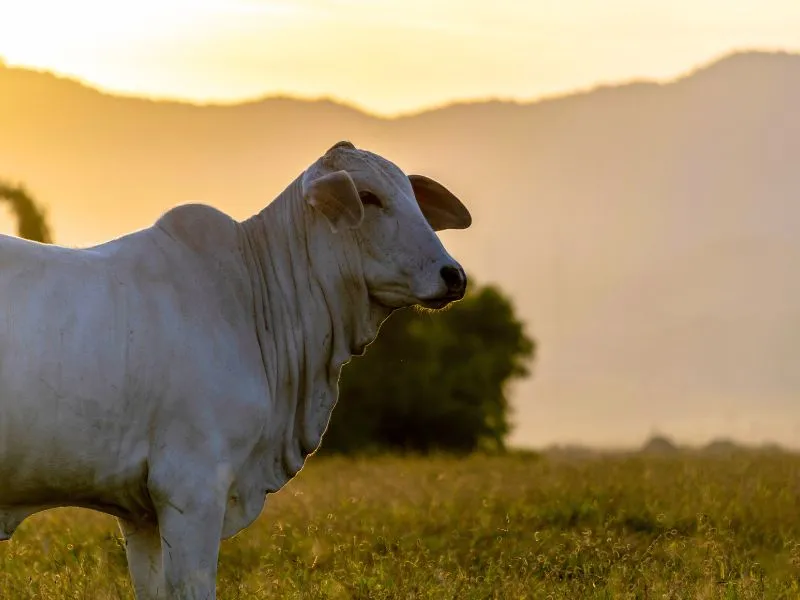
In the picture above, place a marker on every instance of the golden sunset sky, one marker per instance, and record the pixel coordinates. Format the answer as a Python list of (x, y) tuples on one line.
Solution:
[(381, 55)]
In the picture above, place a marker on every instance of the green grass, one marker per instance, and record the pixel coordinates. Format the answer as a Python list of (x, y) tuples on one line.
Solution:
[(480, 527)]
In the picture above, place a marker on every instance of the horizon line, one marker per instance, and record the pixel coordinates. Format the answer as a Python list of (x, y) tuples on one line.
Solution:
[(411, 113)]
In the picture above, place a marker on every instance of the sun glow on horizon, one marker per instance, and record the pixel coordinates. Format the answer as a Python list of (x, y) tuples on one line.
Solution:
[(380, 55)]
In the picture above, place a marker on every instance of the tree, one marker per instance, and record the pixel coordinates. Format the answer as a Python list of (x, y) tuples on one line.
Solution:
[(31, 219), (434, 381)]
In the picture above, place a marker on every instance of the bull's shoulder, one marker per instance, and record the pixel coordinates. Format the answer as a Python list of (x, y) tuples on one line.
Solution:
[(202, 228)]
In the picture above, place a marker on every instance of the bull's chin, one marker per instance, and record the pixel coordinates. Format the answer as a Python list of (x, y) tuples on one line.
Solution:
[(438, 303), (392, 302)]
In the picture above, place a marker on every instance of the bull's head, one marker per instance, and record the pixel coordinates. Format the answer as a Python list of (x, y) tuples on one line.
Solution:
[(394, 218)]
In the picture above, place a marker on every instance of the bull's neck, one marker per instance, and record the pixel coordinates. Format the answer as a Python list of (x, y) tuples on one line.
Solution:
[(312, 313)]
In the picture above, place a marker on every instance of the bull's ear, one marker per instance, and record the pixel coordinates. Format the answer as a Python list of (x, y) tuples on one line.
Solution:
[(440, 207), (335, 195)]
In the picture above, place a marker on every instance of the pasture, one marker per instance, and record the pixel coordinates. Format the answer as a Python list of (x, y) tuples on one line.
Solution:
[(515, 526)]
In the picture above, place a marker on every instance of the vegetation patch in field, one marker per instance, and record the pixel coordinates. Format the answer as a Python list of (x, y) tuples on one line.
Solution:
[(514, 526)]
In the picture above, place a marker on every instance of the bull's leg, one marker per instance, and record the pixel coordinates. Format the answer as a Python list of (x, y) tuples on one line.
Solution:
[(190, 538), (143, 548), (190, 505)]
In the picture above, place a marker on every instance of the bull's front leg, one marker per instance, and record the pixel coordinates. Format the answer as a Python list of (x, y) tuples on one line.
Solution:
[(191, 510), (143, 550)]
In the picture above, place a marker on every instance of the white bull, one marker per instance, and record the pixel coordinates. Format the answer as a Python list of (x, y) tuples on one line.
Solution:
[(177, 375)]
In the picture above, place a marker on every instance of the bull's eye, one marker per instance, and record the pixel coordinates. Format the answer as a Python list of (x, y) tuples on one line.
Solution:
[(370, 198)]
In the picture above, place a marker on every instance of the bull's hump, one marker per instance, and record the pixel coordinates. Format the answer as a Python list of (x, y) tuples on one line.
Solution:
[(199, 226)]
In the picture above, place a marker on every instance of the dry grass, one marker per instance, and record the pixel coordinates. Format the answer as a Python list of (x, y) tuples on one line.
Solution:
[(480, 527)]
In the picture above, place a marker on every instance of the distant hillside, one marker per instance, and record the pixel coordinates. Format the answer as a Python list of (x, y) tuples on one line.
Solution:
[(648, 232)]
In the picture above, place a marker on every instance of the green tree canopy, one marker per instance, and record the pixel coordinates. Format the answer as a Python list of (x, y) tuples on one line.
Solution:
[(31, 218), (434, 381)]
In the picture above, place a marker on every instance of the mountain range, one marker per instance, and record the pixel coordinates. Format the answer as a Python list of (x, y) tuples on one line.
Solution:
[(648, 232)]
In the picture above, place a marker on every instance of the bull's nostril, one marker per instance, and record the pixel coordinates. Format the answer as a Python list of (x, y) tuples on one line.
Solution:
[(454, 278)]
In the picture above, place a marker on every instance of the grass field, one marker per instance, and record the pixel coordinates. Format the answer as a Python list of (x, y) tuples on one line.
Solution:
[(481, 527)]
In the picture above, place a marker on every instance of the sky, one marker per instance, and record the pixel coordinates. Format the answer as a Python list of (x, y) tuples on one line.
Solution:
[(384, 56)]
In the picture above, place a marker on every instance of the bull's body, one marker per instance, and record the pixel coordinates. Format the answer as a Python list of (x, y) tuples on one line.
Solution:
[(111, 356), (177, 375)]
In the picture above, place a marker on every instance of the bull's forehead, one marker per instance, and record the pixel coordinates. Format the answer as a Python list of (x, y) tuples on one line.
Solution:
[(369, 171)]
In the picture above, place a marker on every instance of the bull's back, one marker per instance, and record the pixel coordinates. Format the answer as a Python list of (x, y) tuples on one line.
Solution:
[(101, 349), (67, 426)]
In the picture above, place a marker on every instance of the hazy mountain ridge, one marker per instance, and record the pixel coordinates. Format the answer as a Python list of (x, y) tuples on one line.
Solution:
[(647, 231)]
